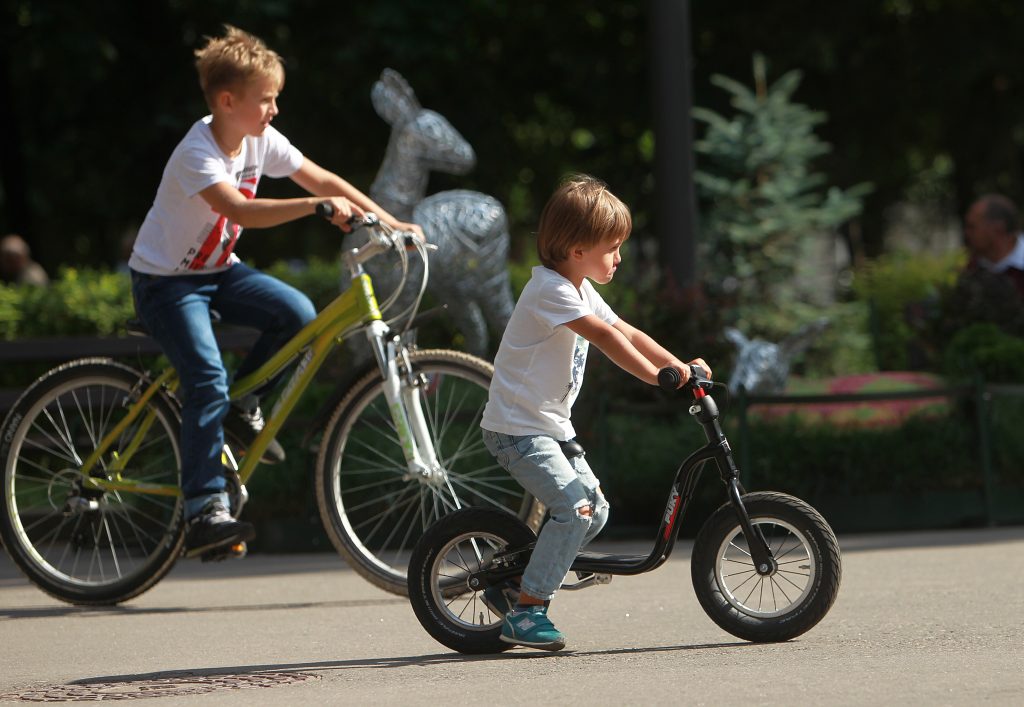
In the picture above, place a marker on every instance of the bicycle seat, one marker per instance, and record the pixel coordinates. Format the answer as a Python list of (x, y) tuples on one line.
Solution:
[(571, 448)]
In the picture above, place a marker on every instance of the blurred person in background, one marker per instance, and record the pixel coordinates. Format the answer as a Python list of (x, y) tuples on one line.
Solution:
[(16, 264)]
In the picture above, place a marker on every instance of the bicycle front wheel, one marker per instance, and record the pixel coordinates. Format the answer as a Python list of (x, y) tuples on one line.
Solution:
[(373, 509), (783, 603), (76, 543)]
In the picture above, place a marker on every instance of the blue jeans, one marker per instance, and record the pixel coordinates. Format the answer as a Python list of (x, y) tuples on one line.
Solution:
[(176, 310), (565, 486)]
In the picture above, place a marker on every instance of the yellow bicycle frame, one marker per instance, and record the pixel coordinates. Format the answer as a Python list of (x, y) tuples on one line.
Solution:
[(355, 307)]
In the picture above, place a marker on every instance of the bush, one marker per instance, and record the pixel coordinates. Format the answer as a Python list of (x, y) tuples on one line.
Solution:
[(635, 453), (79, 302), (905, 292), (996, 356)]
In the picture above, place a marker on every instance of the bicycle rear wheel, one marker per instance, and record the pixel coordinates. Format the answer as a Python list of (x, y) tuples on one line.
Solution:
[(373, 510), (82, 545)]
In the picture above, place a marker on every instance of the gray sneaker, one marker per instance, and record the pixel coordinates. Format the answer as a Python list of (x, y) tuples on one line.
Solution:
[(242, 426), (214, 528)]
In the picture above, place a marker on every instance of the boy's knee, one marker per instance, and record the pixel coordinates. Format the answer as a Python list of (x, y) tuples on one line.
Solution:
[(584, 514)]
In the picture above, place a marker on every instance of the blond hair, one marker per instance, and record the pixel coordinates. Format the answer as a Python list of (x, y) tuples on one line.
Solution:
[(581, 212), (230, 62)]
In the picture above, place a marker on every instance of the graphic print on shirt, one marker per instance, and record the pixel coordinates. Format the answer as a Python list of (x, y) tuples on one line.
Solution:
[(223, 235), (579, 362)]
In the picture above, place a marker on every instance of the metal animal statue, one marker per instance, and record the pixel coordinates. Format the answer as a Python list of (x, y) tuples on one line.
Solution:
[(468, 271), (763, 367)]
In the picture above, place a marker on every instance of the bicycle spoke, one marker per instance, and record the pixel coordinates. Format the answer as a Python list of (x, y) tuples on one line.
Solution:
[(382, 516), (396, 526), (58, 450), (475, 489)]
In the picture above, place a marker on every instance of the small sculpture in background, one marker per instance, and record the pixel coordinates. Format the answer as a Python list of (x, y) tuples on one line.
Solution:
[(468, 271), (763, 367)]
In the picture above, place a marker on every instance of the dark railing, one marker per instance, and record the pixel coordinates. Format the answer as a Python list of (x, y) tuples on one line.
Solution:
[(994, 504), (982, 393)]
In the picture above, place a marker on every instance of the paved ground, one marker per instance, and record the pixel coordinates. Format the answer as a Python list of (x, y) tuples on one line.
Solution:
[(923, 619)]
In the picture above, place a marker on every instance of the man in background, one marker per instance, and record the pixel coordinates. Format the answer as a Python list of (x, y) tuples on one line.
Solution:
[(16, 264), (993, 240)]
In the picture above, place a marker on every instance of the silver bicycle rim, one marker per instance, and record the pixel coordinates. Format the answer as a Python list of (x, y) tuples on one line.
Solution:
[(449, 580), (382, 511), (117, 540), (773, 595)]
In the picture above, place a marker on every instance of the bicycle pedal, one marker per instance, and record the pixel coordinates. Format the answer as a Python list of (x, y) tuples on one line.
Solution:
[(228, 552), (588, 579)]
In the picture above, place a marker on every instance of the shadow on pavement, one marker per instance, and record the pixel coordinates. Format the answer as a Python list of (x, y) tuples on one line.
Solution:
[(396, 662), (87, 612)]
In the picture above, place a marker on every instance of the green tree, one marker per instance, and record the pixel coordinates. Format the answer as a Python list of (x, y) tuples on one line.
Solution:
[(767, 208)]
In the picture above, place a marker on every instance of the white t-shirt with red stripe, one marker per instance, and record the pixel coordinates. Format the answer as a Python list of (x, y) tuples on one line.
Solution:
[(182, 234)]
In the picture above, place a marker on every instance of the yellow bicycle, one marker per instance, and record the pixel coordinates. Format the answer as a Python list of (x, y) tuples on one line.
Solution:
[(91, 507)]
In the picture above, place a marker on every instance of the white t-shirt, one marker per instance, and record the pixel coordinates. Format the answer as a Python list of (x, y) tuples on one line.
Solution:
[(538, 370), (181, 233)]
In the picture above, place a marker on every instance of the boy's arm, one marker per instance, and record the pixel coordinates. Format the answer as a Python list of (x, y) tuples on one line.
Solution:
[(631, 349), (264, 213), (322, 182), (228, 201), (616, 346), (655, 353), (648, 347)]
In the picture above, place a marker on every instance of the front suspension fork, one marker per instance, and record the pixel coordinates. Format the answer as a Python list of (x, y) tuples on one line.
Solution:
[(402, 393)]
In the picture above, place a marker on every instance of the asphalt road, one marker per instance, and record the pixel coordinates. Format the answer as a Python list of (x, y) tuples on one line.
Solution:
[(921, 619)]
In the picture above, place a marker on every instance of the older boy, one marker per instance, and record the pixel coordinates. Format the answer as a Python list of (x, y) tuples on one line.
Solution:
[(183, 262), (538, 372)]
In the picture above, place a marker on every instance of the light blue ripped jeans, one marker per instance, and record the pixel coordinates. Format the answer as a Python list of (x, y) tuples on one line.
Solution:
[(565, 486)]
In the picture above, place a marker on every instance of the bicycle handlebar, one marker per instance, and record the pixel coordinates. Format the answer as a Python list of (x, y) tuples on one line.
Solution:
[(669, 377), (390, 239)]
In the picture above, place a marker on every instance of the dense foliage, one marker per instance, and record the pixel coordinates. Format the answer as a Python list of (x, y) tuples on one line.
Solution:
[(921, 97)]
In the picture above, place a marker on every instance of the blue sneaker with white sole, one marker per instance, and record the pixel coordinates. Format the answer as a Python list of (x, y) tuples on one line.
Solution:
[(532, 627)]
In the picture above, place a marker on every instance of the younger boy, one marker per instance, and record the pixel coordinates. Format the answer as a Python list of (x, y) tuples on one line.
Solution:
[(538, 372), (183, 263)]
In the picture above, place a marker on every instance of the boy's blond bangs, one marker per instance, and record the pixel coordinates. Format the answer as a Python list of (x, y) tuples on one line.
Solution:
[(581, 212), (230, 62)]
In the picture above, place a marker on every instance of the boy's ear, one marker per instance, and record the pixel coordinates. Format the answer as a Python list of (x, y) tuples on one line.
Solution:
[(225, 100)]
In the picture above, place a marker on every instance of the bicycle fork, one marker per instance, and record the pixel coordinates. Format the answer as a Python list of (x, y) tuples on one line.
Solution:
[(402, 390), (705, 410)]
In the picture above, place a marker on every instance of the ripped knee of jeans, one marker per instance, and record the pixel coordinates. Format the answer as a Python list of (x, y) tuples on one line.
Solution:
[(584, 511)]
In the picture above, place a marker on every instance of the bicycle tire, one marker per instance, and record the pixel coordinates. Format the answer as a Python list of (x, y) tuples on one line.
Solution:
[(451, 611), (372, 511), (785, 604), (100, 548)]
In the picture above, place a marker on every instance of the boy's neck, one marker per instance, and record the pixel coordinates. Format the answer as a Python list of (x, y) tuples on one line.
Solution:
[(228, 140), (566, 270)]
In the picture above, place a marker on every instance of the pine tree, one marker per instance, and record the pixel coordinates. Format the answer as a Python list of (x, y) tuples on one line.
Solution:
[(767, 207)]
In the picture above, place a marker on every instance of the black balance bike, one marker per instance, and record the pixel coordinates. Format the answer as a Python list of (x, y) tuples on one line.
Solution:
[(765, 565)]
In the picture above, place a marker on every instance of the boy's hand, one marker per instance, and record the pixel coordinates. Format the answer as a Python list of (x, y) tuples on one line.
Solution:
[(684, 369), (412, 228), (344, 210), (700, 362)]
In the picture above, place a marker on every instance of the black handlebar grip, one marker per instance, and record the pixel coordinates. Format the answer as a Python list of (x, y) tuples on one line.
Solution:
[(325, 211), (669, 378)]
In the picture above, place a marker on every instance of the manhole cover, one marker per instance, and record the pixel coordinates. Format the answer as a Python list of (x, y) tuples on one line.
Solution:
[(168, 686)]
